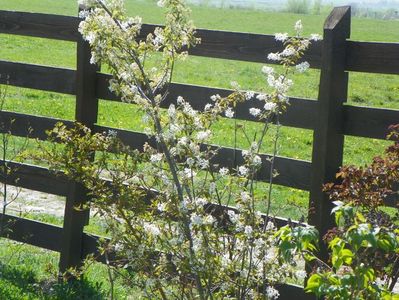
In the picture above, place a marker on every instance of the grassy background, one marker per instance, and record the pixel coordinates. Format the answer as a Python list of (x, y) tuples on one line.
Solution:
[(364, 89)]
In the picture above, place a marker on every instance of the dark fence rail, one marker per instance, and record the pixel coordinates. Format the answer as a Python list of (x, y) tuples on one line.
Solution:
[(330, 118), (301, 113), (361, 56), (49, 237)]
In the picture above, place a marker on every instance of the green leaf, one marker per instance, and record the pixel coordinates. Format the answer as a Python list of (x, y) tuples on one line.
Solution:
[(313, 284)]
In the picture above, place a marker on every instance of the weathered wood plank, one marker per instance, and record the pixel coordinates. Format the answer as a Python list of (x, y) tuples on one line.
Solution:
[(24, 125), (49, 237), (240, 46), (292, 172), (32, 232), (301, 113), (358, 121), (369, 122), (372, 57), (39, 25), (35, 178), (37, 77), (361, 56), (86, 110), (328, 139), (290, 291)]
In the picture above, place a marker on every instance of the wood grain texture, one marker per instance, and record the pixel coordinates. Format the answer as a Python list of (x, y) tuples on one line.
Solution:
[(291, 172), (361, 56), (39, 25), (86, 111), (328, 138), (35, 178), (372, 57), (33, 232), (301, 113), (37, 77), (369, 122), (24, 125), (48, 236)]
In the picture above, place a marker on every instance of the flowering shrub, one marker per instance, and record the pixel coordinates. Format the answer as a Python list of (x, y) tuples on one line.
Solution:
[(167, 207), (364, 246)]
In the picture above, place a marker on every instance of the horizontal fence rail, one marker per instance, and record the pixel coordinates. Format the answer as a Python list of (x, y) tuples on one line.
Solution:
[(291, 171), (361, 56), (50, 79), (301, 113), (48, 236)]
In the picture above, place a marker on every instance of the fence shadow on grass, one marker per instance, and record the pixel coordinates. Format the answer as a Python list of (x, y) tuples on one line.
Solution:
[(21, 282)]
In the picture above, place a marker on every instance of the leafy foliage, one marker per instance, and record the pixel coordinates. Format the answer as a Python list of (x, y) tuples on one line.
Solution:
[(364, 245)]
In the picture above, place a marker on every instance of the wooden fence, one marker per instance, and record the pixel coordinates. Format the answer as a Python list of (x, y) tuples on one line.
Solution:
[(330, 117)]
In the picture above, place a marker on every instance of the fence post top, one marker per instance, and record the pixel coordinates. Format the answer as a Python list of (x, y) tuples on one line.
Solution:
[(340, 17)]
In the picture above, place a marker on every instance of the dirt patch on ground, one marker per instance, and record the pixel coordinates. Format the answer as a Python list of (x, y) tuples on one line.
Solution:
[(29, 201)]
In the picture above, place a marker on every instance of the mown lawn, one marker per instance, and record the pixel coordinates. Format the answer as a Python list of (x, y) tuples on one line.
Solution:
[(365, 89)]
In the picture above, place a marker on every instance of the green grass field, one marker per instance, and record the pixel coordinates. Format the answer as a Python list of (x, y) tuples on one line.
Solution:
[(365, 89)]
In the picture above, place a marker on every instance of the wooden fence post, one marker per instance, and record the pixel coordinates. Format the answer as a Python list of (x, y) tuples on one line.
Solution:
[(86, 111), (328, 139)]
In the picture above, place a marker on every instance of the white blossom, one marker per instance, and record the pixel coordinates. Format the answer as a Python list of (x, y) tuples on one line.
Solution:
[(267, 70), (262, 97), (208, 220), (245, 153), (156, 157), (298, 26), (172, 111), (315, 37), (180, 100), (274, 56), (245, 196), (234, 218), (302, 67), (282, 37), (190, 161), (289, 51), (254, 111), (203, 163), (161, 207), (300, 274), (249, 95), (203, 135), (189, 173), (270, 106), (201, 201), (215, 97), (223, 171), (243, 170), (152, 229), (272, 293), (196, 219), (248, 230), (161, 3), (229, 113), (257, 161), (269, 226)]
